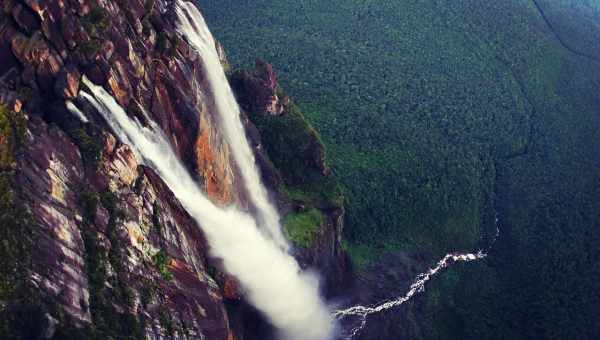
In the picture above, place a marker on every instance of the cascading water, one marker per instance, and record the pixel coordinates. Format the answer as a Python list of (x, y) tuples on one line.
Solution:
[(271, 278), (192, 25), (418, 286)]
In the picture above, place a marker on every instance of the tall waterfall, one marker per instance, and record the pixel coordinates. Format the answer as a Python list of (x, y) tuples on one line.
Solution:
[(271, 278), (193, 27)]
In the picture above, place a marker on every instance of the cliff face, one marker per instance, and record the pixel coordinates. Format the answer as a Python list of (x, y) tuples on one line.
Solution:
[(309, 196), (107, 250)]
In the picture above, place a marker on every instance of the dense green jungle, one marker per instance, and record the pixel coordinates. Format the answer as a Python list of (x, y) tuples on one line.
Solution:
[(440, 117)]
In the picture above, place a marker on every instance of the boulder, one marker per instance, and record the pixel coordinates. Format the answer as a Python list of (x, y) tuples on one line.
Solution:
[(257, 89)]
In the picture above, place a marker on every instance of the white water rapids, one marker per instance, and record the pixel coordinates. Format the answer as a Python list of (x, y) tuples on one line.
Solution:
[(418, 286), (272, 279)]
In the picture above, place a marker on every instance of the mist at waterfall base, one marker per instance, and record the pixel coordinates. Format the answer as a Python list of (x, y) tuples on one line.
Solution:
[(271, 278)]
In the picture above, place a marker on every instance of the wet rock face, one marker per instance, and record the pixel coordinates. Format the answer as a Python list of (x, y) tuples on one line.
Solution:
[(46, 46), (174, 295), (50, 170), (114, 242), (211, 161)]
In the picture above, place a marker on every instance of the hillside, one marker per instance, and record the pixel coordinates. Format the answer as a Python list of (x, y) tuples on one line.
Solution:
[(438, 117)]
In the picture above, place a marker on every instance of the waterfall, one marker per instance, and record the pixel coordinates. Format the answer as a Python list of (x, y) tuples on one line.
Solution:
[(270, 277), (191, 25), (418, 286)]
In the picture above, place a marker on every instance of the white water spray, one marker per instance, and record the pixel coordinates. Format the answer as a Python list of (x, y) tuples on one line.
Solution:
[(272, 279), (192, 25), (418, 286), (74, 110)]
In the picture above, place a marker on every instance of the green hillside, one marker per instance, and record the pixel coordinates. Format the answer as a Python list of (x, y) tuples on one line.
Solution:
[(433, 112)]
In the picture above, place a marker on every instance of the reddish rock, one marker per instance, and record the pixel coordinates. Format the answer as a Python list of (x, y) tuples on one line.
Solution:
[(35, 6), (257, 89), (47, 71), (180, 132), (110, 143), (217, 182), (51, 169), (123, 165), (16, 105), (231, 289), (49, 14), (35, 52), (67, 83), (119, 84), (107, 49), (30, 51), (117, 90)]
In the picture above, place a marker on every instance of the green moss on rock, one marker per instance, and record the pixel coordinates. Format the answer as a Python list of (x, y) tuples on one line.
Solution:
[(91, 150), (156, 224), (20, 306), (302, 227), (161, 262), (96, 21)]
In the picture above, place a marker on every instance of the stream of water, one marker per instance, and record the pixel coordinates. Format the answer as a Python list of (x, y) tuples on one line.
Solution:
[(418, 286)]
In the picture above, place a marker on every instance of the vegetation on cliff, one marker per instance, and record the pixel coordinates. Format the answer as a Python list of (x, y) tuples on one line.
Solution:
[(296, 150), (297, 153), (301, 227), (20, 313), (107, 266)]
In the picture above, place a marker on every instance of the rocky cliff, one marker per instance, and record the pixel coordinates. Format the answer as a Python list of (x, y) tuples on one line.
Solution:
[(94, 244)]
